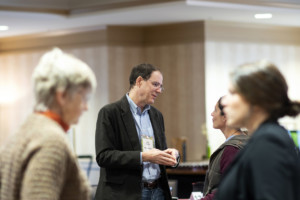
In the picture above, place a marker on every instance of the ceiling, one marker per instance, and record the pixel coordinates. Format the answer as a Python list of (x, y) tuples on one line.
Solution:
[(49, 16)]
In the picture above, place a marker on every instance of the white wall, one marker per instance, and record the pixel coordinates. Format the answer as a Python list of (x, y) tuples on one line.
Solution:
[(16, 95)]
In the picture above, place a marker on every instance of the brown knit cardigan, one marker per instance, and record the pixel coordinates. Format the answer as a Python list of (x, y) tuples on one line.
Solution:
[(37, 163)]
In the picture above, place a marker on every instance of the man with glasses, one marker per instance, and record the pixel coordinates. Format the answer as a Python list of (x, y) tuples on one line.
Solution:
[(131, 146)]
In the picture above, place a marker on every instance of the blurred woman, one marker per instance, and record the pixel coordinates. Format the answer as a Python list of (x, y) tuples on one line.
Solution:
[(37, 162), (222, 157), (268, 167)]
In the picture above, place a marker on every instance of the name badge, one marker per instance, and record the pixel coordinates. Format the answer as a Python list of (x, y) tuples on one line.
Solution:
[(147, 143)]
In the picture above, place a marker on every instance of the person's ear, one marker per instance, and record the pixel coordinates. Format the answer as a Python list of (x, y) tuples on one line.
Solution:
[(138, 81), (60, 97), (224, 119)]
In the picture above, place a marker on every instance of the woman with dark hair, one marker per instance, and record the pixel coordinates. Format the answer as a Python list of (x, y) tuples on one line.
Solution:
[(222, 157), (269, 165)]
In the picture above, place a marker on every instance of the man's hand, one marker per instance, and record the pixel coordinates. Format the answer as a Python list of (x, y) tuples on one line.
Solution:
[(175, 154), (159, 157), (172, 152)]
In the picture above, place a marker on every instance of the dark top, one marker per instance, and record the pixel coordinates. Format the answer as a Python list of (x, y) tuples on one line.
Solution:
[(227, 157), (267, 168)]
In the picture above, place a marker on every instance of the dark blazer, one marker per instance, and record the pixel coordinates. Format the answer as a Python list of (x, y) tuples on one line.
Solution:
[(118, 152), (267, 168)]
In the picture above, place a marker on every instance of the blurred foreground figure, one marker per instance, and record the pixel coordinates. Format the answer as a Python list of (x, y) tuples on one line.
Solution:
[(37, 162), (268, 167)]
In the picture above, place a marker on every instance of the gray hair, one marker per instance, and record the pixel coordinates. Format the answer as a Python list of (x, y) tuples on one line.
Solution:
[(58, 71)]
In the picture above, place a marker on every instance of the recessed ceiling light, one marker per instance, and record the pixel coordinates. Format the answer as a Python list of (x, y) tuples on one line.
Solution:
[(263, 16), (3, 28)]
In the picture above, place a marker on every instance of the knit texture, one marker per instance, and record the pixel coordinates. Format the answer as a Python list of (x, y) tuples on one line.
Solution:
[(37, 163)]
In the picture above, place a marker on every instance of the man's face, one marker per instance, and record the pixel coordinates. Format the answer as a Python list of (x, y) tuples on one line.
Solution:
[(152, 87)]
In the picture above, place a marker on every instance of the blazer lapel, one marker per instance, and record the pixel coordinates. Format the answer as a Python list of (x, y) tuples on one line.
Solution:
[(130, 125)]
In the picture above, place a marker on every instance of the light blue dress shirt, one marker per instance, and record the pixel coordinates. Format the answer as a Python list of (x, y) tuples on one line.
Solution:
[(151, 171), (229, 138)]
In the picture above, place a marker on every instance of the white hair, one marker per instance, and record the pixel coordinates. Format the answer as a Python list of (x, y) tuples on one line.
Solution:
[(58, 71)]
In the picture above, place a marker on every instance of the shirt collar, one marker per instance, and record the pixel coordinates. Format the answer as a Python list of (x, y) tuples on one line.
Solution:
[(56, 118), (134, 108), (230, 137)]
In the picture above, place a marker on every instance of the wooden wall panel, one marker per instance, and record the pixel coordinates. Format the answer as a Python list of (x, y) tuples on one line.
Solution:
[(182, 103), (125, 50), (84, 132), (16, 99), (121, 61), (178, 50)]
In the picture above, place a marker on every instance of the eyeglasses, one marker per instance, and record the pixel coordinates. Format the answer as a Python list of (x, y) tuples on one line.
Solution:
[(157, 85)]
